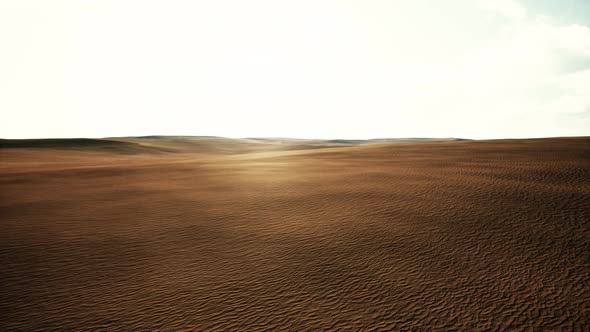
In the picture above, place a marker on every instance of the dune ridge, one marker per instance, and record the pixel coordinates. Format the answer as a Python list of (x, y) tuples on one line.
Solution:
[(208, 233)]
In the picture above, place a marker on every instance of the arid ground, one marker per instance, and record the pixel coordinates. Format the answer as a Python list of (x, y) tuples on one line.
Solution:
[(206, 233)]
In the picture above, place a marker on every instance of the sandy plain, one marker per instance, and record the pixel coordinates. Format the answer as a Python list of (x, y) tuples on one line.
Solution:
[(206, 233)]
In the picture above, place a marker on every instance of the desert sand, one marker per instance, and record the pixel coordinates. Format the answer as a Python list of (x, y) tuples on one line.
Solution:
[(208, 233)]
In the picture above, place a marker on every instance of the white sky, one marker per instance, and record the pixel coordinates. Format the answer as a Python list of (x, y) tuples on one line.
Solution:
[(310, 69)]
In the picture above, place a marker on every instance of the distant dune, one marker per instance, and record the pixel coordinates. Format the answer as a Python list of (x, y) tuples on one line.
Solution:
[(59, 143), (192, 144), (210, 233)]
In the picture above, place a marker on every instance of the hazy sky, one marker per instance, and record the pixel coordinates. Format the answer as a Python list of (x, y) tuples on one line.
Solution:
[(321, 69)]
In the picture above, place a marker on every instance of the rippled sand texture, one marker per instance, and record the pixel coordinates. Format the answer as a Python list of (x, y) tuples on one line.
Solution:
[(244, 235)]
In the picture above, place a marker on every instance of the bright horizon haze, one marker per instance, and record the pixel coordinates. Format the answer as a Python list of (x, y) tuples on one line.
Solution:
[(302, 69)]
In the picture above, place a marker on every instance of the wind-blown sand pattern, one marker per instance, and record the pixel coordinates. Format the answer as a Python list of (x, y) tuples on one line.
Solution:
[(217, 234)]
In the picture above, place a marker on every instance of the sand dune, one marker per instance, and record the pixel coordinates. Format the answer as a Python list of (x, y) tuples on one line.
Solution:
[(160, 233)]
